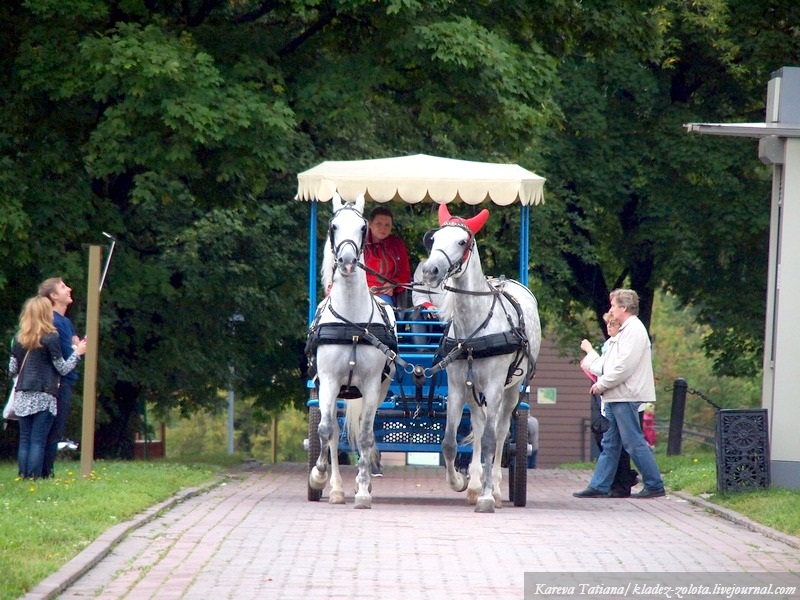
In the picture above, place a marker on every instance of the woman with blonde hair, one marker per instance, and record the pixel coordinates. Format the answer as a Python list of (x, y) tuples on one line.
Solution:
[(37, 361)]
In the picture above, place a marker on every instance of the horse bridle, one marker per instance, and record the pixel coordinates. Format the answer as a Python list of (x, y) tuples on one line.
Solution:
[(359, 248), (454, 267)]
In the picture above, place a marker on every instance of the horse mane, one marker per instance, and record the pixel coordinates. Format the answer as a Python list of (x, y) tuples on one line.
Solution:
[(447, 304), (328, 263)]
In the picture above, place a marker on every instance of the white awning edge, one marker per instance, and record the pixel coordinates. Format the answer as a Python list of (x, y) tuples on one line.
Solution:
[(419, 178)]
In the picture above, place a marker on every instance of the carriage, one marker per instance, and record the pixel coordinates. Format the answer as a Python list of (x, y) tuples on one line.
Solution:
[(412, 414)]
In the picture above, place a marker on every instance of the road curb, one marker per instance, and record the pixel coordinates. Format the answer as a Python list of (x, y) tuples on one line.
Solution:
[(69, 573), (740, 520)]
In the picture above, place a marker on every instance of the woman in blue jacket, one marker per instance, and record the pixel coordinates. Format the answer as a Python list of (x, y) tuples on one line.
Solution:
[(37, 361)]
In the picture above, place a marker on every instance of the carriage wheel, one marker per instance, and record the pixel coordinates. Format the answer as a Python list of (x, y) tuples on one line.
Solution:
[(313, 448), (518, 468)]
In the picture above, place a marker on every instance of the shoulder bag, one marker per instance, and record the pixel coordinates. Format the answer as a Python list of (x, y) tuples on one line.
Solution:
[(8, 411)]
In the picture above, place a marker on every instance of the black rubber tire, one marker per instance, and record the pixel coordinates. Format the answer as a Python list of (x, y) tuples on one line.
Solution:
[(313, 448), (518, 469), (510, 481)]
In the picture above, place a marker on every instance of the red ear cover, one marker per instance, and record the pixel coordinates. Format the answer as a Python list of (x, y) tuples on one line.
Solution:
[(478, 221), (444, 214), (474, 224)]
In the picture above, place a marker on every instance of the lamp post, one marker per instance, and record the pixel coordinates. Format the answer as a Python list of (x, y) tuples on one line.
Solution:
[(230, 411), (235, 319)]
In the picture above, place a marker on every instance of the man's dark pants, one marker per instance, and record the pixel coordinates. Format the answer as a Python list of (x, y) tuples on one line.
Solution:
[(64, 401)]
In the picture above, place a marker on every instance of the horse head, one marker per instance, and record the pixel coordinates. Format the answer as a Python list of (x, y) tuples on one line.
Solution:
[(450, 246), (347, 232)]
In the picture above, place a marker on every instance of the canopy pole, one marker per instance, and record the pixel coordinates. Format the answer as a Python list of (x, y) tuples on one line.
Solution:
[(312, 263), (524, 240)]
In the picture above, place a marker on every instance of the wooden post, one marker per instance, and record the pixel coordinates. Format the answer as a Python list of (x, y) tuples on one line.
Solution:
[(274, 439), (90, 360)]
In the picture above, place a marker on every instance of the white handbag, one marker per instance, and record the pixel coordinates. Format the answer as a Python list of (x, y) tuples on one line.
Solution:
[(8, 411)]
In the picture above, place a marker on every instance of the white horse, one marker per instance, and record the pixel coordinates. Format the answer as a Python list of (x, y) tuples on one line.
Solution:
[(490, 351), (352, 334)]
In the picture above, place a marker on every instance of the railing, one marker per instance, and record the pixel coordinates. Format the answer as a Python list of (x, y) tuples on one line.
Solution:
[(693, 432), (702, 434)]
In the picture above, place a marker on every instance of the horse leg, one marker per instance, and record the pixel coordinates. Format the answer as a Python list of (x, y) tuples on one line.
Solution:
[(366, 446), (510, 397), (364, 477), (485, 502), (337, 486), (478, 423), (489, 447), (455, 410), (319, 475)]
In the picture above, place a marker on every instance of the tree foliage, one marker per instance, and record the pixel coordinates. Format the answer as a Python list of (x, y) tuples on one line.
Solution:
[(642, 204), (179, 127)]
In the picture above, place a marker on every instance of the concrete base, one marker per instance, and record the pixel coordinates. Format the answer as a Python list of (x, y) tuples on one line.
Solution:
[(785, 474)]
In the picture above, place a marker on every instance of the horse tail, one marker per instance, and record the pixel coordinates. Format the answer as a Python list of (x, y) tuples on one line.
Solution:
[(468, 439), (352, 420)]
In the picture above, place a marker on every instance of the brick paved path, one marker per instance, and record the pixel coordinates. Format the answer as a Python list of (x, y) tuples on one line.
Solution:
[(258, 537)]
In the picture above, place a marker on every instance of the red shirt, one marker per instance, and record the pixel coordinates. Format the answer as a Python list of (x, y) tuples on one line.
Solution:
[(389, 258)]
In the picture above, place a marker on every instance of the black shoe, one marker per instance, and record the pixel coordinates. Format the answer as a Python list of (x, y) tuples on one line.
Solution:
[(375, 469), (633, 478), (590, 492), (619, 494), (645, 493)]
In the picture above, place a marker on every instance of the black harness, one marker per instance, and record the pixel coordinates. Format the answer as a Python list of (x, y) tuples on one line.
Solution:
[(486, 346), (347, 333), (513, 341), (380, 335)]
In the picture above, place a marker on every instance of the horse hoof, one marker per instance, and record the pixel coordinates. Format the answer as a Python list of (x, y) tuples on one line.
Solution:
[(472, 497), (336, 498), (485, 505), (317, 480), (363, 502), (459, 483)]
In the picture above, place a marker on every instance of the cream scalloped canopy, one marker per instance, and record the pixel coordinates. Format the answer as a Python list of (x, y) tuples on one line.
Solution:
[(420, 177)]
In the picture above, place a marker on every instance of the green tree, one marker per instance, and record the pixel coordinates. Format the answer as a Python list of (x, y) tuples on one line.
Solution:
[(635, 202), (179, 127)]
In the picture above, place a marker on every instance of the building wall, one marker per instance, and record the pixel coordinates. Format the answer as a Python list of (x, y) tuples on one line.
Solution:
[(563, 425)]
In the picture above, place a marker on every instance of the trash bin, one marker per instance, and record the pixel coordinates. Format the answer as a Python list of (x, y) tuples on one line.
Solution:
[(742, 449)]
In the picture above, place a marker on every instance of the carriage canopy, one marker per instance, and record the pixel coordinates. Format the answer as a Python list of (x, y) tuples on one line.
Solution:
[(419, 178)]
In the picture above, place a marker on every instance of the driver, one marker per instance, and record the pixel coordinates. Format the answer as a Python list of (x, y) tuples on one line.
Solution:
[(385, 254)]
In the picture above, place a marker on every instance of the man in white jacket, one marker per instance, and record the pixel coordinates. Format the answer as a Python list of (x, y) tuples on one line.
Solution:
[(625, 383)]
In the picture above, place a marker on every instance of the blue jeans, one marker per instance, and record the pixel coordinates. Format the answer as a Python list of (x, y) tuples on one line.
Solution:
[(57, 429), (33, 431), (624, 431)]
